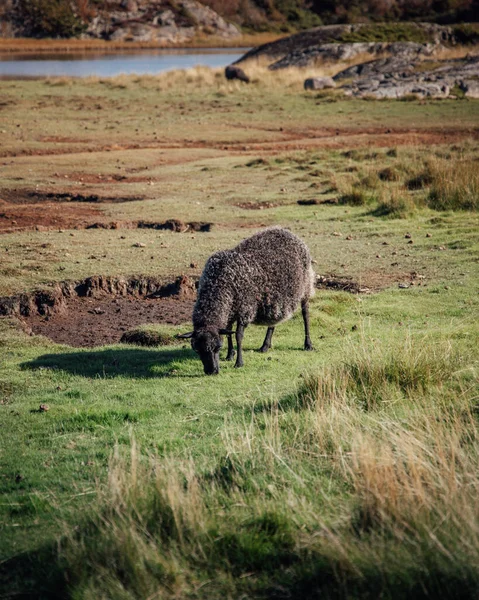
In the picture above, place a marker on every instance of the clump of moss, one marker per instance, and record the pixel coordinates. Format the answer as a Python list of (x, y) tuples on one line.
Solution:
[(143, 336)]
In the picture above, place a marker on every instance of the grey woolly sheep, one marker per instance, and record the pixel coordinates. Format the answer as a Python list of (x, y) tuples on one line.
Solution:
[(262, 281)]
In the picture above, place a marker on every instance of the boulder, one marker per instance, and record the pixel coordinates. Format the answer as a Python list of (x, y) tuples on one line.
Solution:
[(398, 77), (319, 83), (232, 72), (470, 88)]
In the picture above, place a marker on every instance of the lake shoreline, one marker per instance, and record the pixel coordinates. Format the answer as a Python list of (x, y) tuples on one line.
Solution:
[(100, 64), (35, 46)]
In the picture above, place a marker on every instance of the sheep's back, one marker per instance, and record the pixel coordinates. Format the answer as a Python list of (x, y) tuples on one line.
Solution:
[(280, 265)]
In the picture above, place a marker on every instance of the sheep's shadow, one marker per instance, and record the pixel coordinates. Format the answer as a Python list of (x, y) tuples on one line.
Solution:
[(114, 362)]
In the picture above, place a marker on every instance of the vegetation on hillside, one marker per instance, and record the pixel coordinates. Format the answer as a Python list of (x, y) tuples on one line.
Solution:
[(68, 18), (289, 15)]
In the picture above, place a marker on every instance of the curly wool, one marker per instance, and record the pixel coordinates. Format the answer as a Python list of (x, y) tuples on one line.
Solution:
[(262, 281)]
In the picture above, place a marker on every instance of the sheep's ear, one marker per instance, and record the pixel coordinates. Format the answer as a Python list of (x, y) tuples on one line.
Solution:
[(184, 336), (226, 332)]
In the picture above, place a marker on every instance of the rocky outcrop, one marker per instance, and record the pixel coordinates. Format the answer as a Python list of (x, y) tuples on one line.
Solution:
[(470, 88), (290, 50), (396, 77), (334, 53), (319, 83)]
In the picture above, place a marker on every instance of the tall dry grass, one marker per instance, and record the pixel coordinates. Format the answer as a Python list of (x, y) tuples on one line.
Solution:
[(366, 480), (454, 186)]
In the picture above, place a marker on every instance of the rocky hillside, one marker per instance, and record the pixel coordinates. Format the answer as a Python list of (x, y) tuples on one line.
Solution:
[(161, 21)]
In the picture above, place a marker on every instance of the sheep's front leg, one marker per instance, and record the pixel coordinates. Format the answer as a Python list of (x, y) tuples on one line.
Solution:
[(267, 340), (305, 311), (231, 350), (239, 345)]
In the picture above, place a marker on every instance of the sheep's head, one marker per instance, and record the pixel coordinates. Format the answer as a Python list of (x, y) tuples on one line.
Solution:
[(207, 344)]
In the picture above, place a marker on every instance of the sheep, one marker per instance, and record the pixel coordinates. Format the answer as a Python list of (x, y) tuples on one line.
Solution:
[(261, 281)]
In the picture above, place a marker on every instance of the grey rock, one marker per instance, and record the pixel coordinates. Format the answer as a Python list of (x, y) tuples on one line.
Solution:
[(165, 18), (470, 88), (319, 83), (397, 77)]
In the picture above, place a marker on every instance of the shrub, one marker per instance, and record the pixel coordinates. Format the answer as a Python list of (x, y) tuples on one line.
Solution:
[(394, 206), (48, 18), (389, 174), (419, 181), (454, 186), (356, 197)]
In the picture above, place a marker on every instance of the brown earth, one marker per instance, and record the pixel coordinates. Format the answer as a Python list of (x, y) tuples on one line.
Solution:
[(98, 310), (293, 139), (48, 215), (22, 210), (88, 322)]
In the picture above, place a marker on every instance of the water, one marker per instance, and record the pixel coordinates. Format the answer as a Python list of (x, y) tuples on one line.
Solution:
[(148, 62)]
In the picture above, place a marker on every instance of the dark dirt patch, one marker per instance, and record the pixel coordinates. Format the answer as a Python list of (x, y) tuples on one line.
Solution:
[(256, 205), (99, 310), (316, 201), (169, 225), (45, 216), (67, 212), (343, 284), (87, 322), (371, 281), (33, 197)]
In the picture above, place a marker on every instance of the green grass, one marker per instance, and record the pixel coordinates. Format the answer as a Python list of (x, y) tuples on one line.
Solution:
[(387, 32), (350, 471)]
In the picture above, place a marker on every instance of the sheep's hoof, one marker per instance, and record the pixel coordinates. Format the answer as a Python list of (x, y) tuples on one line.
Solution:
[(230, 356), (238, 365), (264, 348), (309, 347)]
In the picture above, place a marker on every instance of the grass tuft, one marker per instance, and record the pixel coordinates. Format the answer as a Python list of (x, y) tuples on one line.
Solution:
[(454, 186), (376, 376)]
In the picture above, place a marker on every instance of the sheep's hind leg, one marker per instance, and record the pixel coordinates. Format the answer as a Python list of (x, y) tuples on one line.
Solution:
[(305, 311), (267, 340), (239, 345), (231, 350)]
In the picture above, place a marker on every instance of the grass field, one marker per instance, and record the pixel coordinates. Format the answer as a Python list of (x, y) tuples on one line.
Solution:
[(348, 472)]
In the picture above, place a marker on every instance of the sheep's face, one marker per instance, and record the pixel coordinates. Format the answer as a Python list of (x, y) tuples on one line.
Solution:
[(207, 344)]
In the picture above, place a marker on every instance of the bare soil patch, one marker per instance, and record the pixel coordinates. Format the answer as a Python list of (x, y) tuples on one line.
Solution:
[(371, 281), (25, 196), (257, 205), (45, 216), (99, 310), (88, 322), (169, 225), (27, 210)]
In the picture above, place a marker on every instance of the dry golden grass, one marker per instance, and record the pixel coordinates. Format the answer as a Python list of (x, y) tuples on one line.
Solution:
[(27, 45)]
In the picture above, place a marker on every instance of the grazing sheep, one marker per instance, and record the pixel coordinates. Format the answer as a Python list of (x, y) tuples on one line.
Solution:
[(260, 281), (232, 72)]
